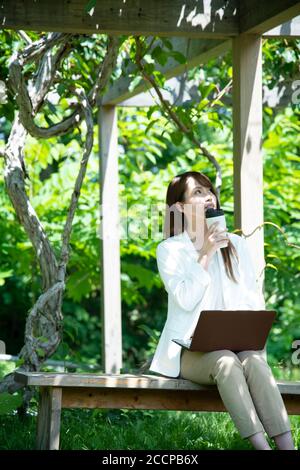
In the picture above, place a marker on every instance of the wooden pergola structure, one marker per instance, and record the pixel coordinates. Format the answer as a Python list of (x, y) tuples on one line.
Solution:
[(201, 30)]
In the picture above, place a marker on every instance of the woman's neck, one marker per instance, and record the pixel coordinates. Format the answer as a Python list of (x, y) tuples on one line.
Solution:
[(193, 237)]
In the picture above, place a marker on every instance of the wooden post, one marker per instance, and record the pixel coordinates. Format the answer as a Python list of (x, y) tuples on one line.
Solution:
[(48, 423), (110, 242), (247, 139)]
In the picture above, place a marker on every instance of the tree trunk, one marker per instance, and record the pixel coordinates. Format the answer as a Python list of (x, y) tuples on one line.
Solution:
[(44, 324)]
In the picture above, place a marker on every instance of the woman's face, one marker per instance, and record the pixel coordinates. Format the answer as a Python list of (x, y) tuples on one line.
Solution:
[(197, 200), (196, 193)]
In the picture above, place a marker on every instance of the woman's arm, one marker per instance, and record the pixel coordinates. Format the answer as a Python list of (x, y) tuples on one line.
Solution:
[(186, 286)]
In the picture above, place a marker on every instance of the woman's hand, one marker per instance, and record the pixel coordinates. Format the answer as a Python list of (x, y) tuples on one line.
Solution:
[(213, 240)]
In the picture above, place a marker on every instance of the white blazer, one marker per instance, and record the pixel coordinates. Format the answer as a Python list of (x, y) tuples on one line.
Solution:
[(192, 289)]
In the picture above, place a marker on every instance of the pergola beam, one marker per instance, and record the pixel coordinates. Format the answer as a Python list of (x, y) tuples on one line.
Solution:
[(196, 52), (289, 30), (115, 17), (184, 90), (258, 17), (205, 19)]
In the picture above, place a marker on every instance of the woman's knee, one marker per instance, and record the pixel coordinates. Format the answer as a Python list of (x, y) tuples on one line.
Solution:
[(255, 362), (226, 354), (227, 364)]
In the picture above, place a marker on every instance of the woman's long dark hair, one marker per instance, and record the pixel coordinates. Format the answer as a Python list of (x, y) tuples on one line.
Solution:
[(176, 193)]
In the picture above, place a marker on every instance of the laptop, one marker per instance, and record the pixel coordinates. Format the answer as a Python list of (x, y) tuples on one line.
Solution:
[(236, 330)]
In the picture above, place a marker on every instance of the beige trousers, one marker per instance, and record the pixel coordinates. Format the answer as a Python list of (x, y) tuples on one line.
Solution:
[(246, 385)]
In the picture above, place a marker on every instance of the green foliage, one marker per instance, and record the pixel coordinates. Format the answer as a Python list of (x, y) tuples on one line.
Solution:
[(280, 60), (9, 403), (81, 341)]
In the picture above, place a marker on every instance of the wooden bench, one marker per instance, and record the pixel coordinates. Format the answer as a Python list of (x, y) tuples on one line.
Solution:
[(59, 390)]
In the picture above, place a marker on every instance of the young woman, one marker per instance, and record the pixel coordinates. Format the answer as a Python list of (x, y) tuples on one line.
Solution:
[(199, 273)]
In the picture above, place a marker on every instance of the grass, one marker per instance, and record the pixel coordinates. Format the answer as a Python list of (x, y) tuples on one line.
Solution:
[(134, 429)]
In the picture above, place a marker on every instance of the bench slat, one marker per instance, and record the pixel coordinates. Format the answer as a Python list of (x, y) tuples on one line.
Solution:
[(127, 381), (107, 381)]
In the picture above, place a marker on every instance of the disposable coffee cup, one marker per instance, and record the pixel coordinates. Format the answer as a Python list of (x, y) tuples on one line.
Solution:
[(216, 215)]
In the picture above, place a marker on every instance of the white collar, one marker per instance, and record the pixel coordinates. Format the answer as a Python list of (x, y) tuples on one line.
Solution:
[(189, 244)]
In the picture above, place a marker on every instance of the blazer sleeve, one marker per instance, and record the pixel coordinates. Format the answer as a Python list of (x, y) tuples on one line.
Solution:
[(186, 285), (253, 295)]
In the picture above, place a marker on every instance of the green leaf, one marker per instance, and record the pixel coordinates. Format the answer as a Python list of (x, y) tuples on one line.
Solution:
[(150, 112), (268, 110), (206, 89), (78, 284), (159, 77), (61, 89), (202, 104), (52, 108), (48, 120), (7, 273), (149, 68), (159, 55), (269, 265), (43, 339), (167, 43), (293, 158), (40, 352), (178, 57), (146, 277), (151, 157), (151, 124), (20, 362), (176, 137)]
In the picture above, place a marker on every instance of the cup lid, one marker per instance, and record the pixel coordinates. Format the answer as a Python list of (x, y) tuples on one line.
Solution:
[(213, 212)]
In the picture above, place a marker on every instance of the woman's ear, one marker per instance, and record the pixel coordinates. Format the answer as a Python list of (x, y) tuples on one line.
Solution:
[(179, 206)]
